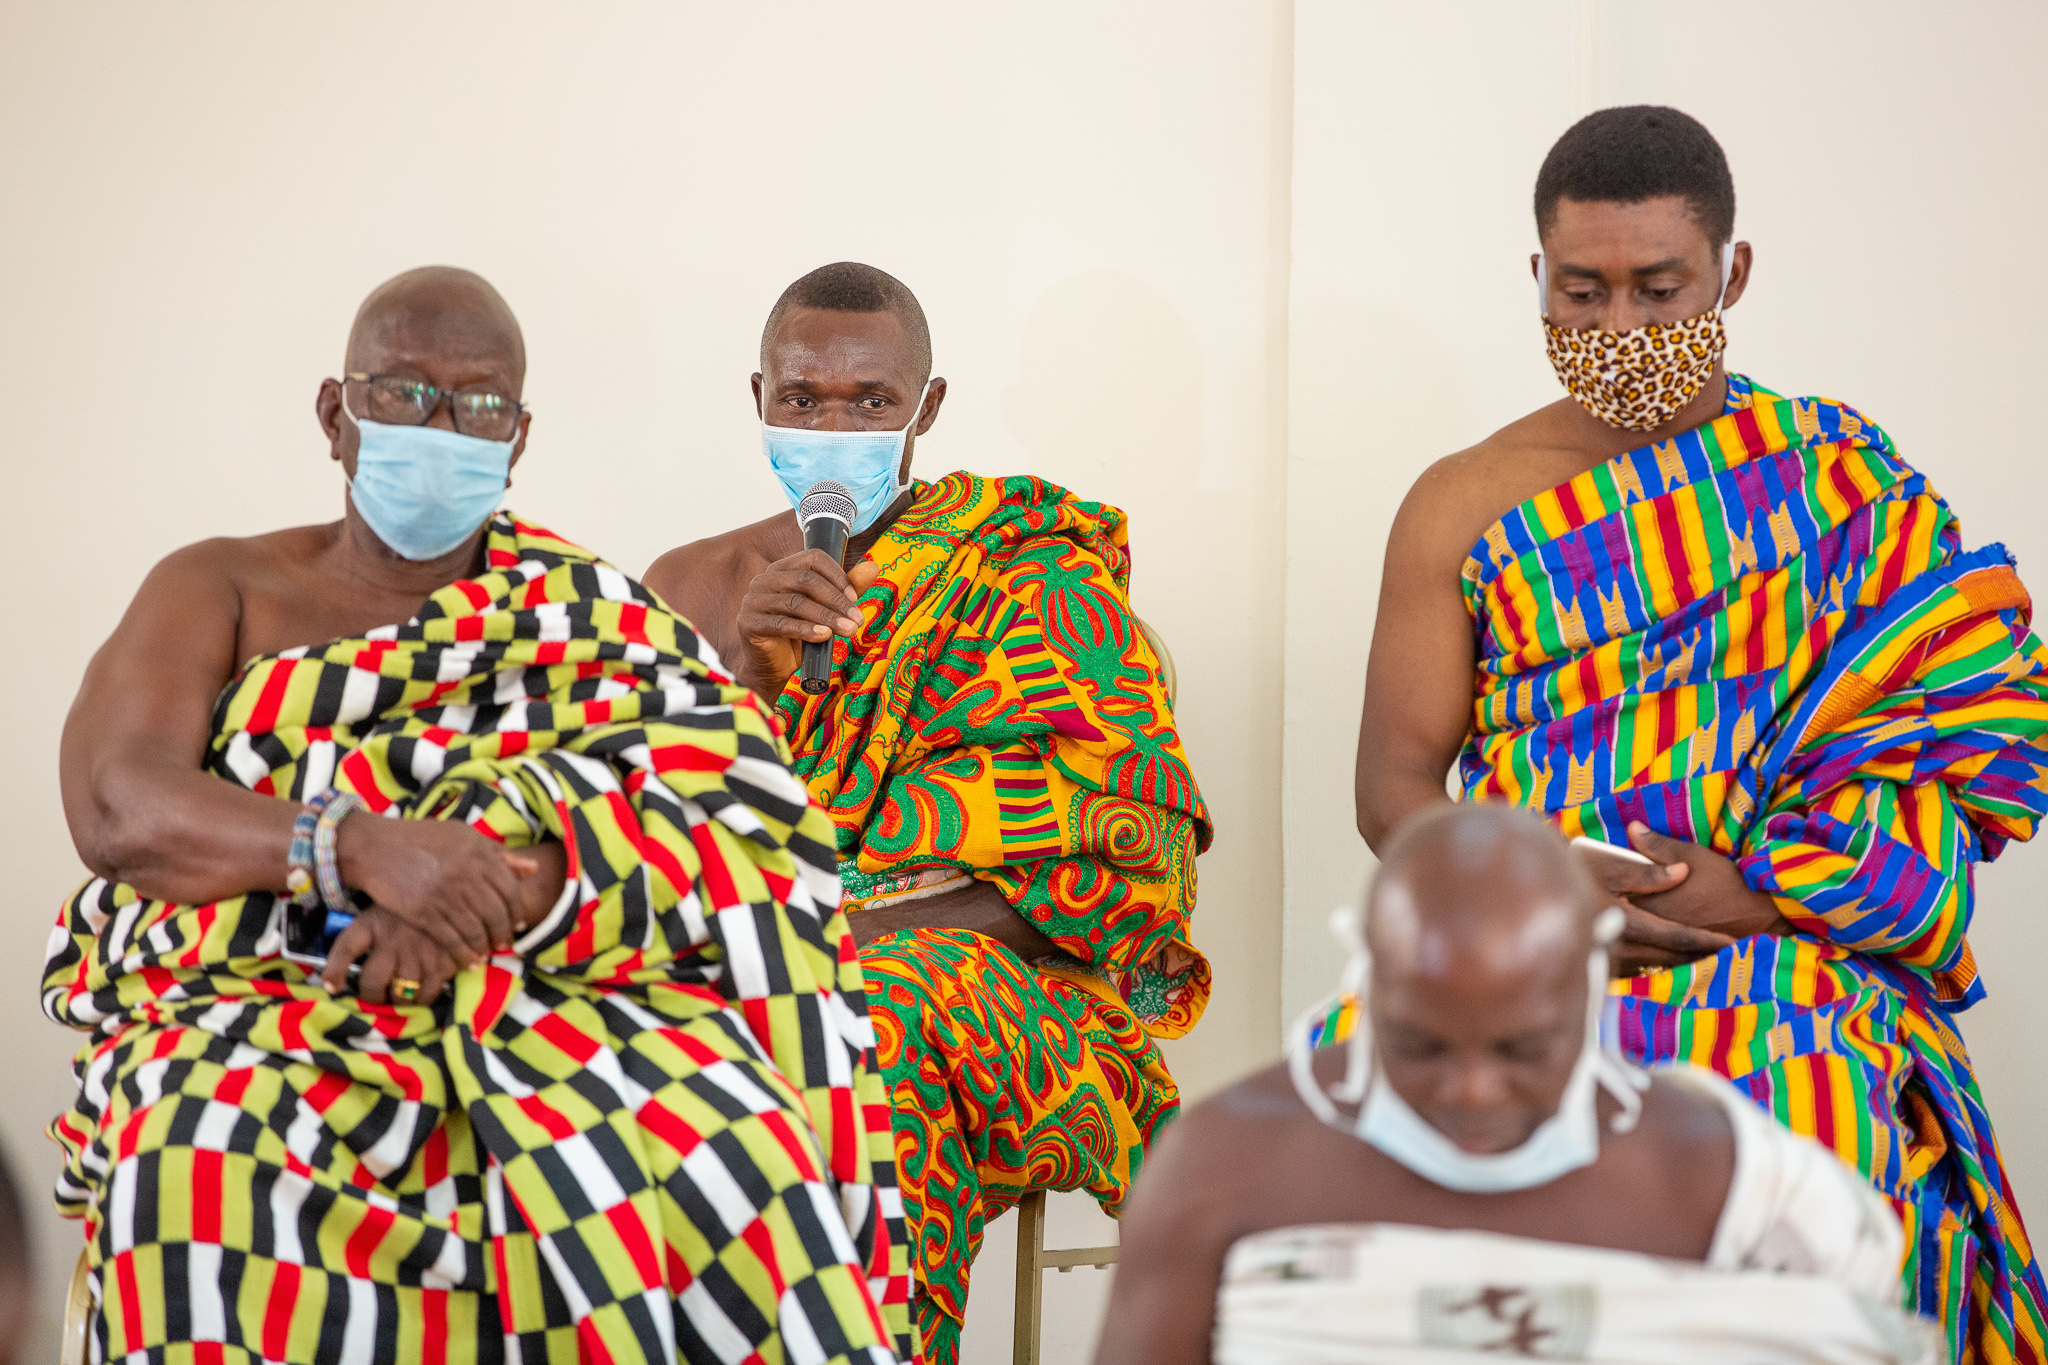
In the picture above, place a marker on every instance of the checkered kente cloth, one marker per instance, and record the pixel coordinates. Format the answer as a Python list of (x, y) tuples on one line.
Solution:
[(653, 1131)]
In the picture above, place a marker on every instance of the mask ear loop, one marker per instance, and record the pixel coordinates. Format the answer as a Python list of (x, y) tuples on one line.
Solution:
[(902, 477), (348, 480), (1345, 925), (1620, 1078), (1727, 268), (1349, 927)]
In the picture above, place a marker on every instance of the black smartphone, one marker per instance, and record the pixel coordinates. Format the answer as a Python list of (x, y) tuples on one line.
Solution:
[(310, 932)]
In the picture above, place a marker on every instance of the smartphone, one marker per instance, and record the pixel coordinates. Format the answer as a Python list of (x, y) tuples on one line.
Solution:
[(310, 932), (1628, 855)]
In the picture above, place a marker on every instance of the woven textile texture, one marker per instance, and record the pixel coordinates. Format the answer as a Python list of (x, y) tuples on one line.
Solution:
[(999, 713), (652, 1132), (1764, 636)]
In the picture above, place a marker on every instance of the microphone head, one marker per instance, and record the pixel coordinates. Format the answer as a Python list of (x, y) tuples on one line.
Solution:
[(827, 498)]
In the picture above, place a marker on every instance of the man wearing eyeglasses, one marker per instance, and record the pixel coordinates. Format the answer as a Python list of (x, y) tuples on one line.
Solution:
[(566, 1060), (1017, 824)]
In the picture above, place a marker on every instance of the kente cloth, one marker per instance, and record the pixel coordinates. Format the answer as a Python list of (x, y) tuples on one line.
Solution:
[(1013, 1079), (1000, 713), (1335, 1294), (1763, 636), (654, 1131)]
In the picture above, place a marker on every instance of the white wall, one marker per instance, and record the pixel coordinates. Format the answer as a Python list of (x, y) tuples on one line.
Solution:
[(1244, 269), (1089, 200), (1887, 171)]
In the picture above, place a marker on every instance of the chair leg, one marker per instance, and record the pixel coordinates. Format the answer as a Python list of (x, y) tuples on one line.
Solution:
[(1030, 1276), (78, 1311)]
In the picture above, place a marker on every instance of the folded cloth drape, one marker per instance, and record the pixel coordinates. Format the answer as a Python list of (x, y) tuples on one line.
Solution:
[(1763, 636), (1338, 1294), (653, 1131), (999, 714)]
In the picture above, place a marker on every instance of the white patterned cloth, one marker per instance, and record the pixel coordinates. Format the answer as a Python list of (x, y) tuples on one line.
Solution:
[(1803, 1270)]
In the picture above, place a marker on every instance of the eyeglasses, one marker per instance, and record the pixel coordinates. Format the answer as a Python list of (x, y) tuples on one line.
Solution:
[(413, 402)]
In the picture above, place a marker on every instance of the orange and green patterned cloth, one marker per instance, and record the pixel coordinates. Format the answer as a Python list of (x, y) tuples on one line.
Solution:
[(653, 1131), (999, 713), (1764, 636)]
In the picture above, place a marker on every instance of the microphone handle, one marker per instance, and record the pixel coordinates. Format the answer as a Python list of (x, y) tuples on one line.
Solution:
[(827, 534)]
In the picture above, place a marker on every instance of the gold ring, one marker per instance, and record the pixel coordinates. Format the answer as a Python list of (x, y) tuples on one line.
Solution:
[(404, 990)]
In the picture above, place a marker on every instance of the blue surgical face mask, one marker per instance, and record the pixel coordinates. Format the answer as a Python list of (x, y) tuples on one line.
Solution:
[(869, 463), (423, 489), (1564, 1142)]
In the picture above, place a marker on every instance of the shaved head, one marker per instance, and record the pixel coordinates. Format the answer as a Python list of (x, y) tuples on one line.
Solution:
[(1475, 885), (1481, 925), (850, 287), (440, 310)]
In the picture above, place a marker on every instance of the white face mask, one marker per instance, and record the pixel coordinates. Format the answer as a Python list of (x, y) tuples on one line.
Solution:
[(1567, 1140)]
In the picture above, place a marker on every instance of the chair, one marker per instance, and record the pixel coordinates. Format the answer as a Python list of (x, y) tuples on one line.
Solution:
[(1165, 657), (1034, 1258), (73, 1346)]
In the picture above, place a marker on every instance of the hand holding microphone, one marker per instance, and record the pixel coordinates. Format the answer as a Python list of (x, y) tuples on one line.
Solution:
[(826, 514), (794, 607)]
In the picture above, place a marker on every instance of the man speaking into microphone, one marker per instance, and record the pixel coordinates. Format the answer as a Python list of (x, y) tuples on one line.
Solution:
[(1017, 823)]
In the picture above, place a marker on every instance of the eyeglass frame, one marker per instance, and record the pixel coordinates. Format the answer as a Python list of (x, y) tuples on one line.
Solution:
[(519, 409)]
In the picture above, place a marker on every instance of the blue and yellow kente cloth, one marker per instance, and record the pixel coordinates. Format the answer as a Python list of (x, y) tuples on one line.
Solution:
[(1764, 636)]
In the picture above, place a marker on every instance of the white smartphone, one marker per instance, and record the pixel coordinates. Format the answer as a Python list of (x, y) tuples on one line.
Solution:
[(1613, 850)]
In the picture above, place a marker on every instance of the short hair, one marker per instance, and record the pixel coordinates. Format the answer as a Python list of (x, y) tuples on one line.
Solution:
[(850, 287), (1636, 152)]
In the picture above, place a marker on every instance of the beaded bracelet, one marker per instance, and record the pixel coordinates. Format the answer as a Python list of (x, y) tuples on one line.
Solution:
[(326, 857), (313, 870), (298, 877)]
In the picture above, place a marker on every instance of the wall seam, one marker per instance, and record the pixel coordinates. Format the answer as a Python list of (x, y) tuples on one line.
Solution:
[(1280, 283)]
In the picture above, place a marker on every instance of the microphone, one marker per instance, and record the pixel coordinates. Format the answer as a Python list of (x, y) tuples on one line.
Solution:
[(826, 514)]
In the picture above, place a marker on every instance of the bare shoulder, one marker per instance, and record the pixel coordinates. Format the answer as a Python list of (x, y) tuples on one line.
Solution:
[(1453, 502), (1257, 1113), (1684, 1110), (1209, 1173), (224, 569), (1686, 1132), (184, 630), (698, 575)]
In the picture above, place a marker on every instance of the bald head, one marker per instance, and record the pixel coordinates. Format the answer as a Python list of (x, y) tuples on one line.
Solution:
[(1481, 923), (1477, 886), (438, 312)]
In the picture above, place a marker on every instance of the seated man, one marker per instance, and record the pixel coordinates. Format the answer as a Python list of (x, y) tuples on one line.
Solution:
[(1017, 824), (1739, 633), (636, 1125), (1517, 1189)]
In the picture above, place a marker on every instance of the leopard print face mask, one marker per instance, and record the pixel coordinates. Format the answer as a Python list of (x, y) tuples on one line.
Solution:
[(1642, 378)]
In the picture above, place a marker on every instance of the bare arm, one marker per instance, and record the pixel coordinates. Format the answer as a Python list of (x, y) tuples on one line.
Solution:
[(1175, 1232), (140, 806), (1418, 709), (978, 907), (1418, 680), (143, 810)]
